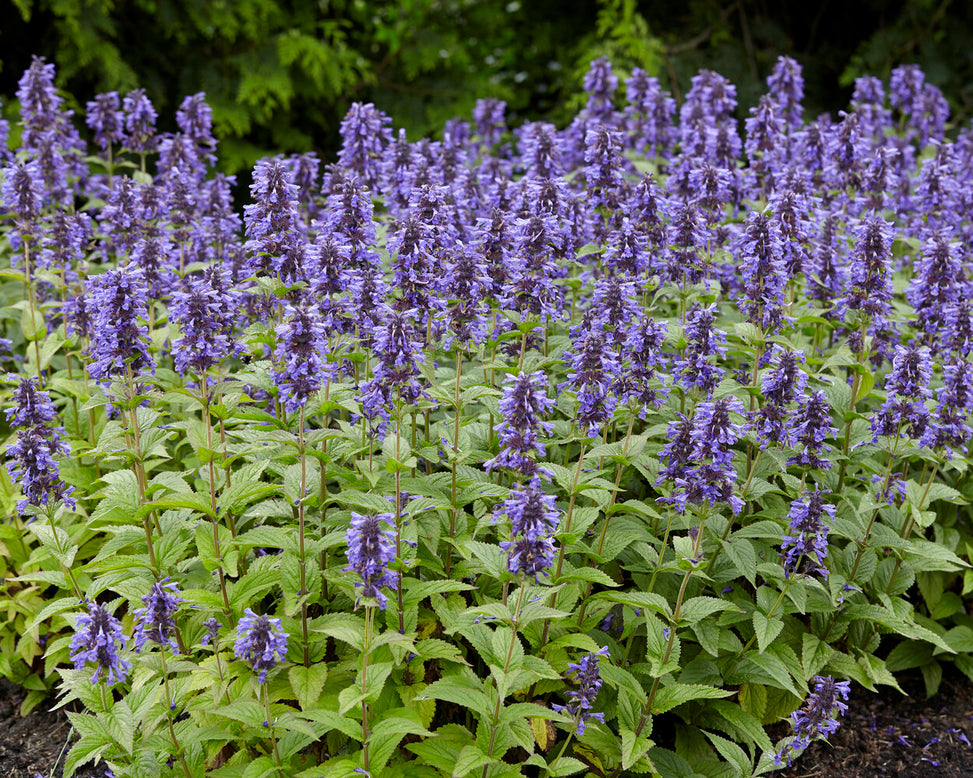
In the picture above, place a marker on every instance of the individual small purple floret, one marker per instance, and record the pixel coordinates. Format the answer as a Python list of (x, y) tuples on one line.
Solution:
[(371, 548), (582, 699), (261, 642), (155, 621), (98, 638), (819, 716)]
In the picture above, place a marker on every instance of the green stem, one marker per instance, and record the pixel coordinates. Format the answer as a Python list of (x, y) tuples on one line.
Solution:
[(495, 718)]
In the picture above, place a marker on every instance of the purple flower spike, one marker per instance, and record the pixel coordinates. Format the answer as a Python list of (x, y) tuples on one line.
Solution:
[(261, 642), (582, 699), (524, 400), (811, 521), (155, 621), (105, 118), (140, 118), (533, 520), (97, 640), (371, 548), (819, 717), (118, 301)]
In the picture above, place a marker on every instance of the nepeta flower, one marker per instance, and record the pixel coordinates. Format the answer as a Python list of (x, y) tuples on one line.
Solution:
[(276, 231), (812, 426), (806, 547), (488, 114), (954, 403), (212, 631), (701, 458), (301, 348), (908, 389), (22, 197), (371, 549), (524, 400), (98, 638), (155, 621), (871, 269), (261, 642), (140, 118), (939, 280), (787, 89), (398, 352), (642, 378), (105, 118), (582, 699), (764, 273), (34, 407), (205, 314), (818, 718), (33, 466), (118, 302), (705, 341), (593, 369), (365, 133), (533, 520), (774, 424)]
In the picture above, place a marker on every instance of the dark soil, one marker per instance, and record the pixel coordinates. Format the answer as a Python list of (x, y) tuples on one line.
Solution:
[(887, 734), (882, 734), (30, 746)]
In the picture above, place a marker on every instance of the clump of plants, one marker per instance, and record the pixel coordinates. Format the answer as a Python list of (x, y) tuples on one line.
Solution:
[(521, 452)]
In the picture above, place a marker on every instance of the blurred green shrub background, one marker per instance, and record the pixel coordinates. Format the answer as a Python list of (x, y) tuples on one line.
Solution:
[(281, 74)]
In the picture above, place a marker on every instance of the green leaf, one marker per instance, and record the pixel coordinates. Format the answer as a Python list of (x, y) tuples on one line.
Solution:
[(766, 630), (669, 697), (308, 682), (388, 732), (698, 608), (463, 689), (732, 753), (471, 758), (634, 747)]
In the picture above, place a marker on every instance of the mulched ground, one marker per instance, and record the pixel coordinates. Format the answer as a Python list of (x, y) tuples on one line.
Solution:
[(891, 735), (881, 735)]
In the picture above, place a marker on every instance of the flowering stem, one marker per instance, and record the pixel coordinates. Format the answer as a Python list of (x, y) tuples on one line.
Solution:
[(217, 550), (564, 748), (495, 718), (139, 465), (611, 502), (456, 407), (662, 551), (29, 283), (270, 726), (729, 523), (302, 553), (170, 703), (68, 572), (398, 523), (560, 553), (910, 523), (860, 358), (647, 708), (366, 650)]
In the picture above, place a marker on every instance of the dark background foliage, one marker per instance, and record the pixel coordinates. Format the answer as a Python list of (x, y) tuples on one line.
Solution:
[(281, 74)]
